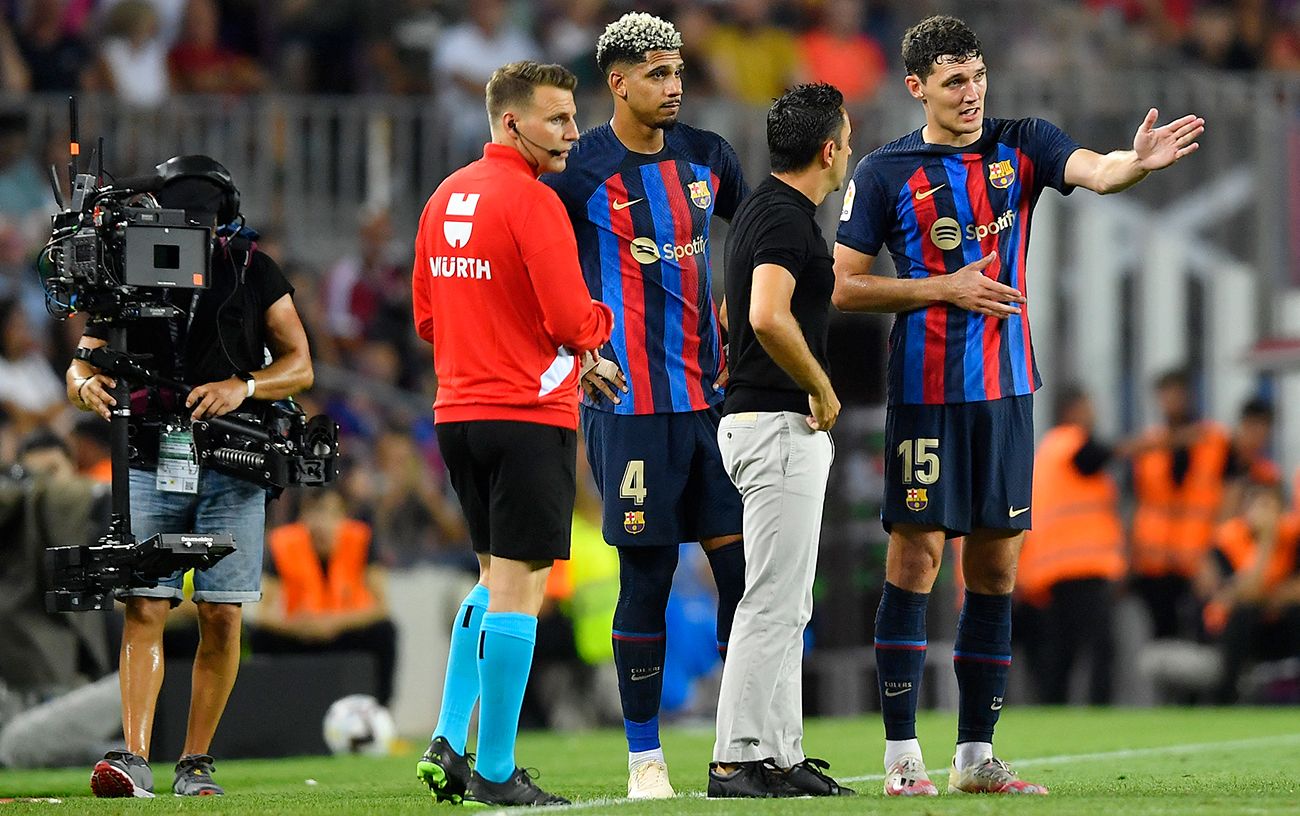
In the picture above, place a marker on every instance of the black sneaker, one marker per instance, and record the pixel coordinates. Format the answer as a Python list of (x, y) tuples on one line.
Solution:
[(809, 778), (751, 780), (194, 777), (444, 771), (519, 789), (121, 774)]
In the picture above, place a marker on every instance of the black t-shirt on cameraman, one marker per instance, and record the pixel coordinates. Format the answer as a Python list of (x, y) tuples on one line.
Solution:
[(219, 333)]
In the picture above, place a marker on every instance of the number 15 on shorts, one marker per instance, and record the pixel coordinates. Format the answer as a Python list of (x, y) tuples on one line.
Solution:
[(920, 462)]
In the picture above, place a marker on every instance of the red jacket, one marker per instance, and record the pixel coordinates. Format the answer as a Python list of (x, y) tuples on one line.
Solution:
[(499, 293)]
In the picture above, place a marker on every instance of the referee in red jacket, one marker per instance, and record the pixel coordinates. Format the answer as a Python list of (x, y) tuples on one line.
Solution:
[(499, 293)]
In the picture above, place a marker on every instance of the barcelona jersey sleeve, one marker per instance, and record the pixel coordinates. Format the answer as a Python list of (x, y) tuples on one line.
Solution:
[(864, 219), (1049, 148), (731, 181)]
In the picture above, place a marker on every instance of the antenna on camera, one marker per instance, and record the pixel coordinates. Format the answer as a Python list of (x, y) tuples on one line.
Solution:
[(74, 145)]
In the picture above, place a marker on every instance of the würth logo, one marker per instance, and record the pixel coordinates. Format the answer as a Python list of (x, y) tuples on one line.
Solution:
[(459, 204)]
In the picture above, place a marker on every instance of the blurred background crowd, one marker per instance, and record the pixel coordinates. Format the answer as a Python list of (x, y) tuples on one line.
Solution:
[(338, 117)]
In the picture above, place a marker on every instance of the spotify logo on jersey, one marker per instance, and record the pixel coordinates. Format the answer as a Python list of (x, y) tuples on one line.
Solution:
[(644, 250), (946, 233)]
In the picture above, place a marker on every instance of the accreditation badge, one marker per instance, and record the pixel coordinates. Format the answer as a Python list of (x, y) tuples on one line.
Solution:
[(178, 461)]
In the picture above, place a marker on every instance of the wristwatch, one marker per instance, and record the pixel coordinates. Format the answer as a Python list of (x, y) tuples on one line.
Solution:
[(248, 379)]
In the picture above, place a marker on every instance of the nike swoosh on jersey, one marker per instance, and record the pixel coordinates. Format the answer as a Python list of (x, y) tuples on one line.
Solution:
[(1013, 512), (623, 205), (922, 195), (896, 692)]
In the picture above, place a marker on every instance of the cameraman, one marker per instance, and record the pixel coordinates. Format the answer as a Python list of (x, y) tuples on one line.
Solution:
[(219, 340)]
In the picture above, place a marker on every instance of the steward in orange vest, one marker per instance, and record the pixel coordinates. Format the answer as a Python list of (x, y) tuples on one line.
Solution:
[(1180, 483), (1252, 585), (332, 582), (1077, 531), (1072, 558), (323, 591)]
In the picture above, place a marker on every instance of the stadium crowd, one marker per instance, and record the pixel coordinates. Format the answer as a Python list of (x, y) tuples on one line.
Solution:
[(1232, 585)]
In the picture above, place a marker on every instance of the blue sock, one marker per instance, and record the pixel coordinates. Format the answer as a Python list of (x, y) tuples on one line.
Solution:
[(982, 660), (645, 579), (728, 566), (505, 657), (460, 689), (900, 658)]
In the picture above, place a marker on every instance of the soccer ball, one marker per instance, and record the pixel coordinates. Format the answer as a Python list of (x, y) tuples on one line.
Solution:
[(358, 724)]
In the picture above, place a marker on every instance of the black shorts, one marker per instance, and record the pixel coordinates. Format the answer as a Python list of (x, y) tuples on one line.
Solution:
[(660, 477), (962, 467), (515, 482)]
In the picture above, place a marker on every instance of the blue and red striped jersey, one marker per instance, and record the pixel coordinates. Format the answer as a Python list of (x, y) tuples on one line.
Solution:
[(938, 208), (642, 223)]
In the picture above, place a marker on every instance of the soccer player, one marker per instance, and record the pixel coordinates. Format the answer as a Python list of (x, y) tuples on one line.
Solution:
[(641, 191), (498, 292), (775, 441), (952, 202)]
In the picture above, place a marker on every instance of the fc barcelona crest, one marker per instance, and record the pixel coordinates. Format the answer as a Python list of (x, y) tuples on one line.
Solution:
[(634, 521), (916, 499), (1002, 174), (700, 194)]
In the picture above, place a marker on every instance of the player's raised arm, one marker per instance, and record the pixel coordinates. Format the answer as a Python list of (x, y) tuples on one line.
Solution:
[(1154, 148), (857, 290)]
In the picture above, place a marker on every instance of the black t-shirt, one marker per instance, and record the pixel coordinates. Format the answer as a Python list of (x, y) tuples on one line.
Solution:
[(776, 224), (226, 333)]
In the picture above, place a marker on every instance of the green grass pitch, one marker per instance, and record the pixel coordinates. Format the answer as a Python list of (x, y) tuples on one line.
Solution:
[(1116, 762)]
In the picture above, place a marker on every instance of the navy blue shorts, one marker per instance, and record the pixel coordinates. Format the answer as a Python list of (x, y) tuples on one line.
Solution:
[(660, 477), (962, 467)]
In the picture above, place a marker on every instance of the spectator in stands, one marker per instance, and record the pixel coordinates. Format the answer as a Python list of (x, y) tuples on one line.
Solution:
[(839, 53), (15, 79), (569, 29), (463, 60), (1251, 581), (414, 520), (1180, 485), (91, 449), (753, 60), (323, 589), (1282, 45), (25, 207), (54, 57), (168, 13), (1249, 461), (1216, 38), (132, 58), (58, 701), (1073, 558), (31, 393), (200, 63)]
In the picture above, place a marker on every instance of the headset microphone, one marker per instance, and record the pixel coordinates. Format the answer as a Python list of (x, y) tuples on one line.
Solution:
[(555, 153)]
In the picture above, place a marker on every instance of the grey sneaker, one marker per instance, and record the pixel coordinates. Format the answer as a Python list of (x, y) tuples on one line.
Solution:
[(122, 774), (194, 777)]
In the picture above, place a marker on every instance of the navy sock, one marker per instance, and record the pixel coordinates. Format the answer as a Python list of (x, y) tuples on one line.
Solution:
[(645, 579), (728, 565), (900, 658), (982, 660), (505, 659), (460, 689)]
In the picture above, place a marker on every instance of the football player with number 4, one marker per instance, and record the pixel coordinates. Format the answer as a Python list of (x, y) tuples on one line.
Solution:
[(952, 202), (642, 191)]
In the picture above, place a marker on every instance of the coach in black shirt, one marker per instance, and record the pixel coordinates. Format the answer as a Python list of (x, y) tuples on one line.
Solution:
[(774, 441)]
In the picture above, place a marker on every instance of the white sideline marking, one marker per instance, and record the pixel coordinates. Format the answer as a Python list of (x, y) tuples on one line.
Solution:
[(1155, 750)]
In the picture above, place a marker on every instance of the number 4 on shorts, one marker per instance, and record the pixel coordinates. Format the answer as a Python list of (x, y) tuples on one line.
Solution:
[(633, 485)]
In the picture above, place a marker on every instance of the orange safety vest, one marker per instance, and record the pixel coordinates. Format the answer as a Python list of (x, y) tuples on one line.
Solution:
[(1077, 531), (306, 587), (1235, 540), (1174, 524)]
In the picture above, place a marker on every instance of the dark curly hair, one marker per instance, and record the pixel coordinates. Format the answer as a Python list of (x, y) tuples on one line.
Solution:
[(800, 122), (936, 40)]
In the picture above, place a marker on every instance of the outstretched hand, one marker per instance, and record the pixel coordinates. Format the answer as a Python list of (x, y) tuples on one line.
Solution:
[(1159, 147)]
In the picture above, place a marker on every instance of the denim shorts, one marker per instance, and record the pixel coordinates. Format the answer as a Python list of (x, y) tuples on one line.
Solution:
[(223, 504)]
